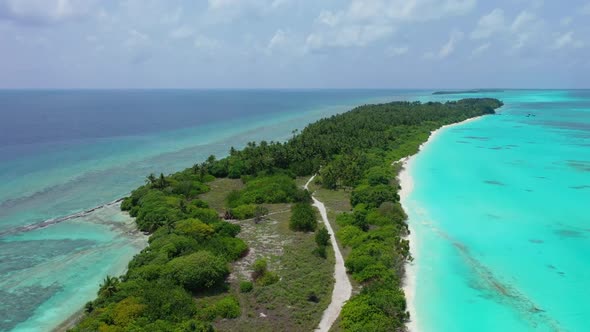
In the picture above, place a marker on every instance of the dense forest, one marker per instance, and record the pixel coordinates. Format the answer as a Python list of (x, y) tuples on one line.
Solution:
[(191, 247)]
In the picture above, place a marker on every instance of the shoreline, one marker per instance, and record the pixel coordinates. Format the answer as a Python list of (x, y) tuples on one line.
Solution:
[(407, 186)]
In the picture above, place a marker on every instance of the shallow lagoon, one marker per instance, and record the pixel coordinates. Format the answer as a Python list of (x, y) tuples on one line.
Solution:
[(499, 212)]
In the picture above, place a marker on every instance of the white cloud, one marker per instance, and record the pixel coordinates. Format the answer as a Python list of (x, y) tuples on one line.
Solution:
[(172, 17), (480, 49), (523, 20), (489, 24), (396, 51), (348, 36), (182, 32), (44, 11), (567, 40), (566, 21), (448, 48), (585, 9), (136, 39), (205, 43), (228, 9), (278, 39), (362, 22), (328, 18), (524, 28), (279, 3), (404, 10)]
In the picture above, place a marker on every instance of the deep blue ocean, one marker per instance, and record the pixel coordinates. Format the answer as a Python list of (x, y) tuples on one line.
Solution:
[(65, 153)]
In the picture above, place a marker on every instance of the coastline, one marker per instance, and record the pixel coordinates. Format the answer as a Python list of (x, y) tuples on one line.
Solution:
[(407, 185)]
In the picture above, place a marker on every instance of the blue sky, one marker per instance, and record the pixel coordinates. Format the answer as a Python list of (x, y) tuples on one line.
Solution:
[(294, 43)]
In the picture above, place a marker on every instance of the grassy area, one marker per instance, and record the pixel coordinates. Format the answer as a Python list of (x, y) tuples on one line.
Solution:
[(220, 188), (297, 301)]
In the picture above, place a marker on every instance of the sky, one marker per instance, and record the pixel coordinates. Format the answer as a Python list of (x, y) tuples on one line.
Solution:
[(294, 44)]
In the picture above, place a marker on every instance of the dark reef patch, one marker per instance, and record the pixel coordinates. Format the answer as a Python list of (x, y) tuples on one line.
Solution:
[(581, 187), (494, 182), (579, 165), (568, 233), (479, 138), (568, 125), (536, 241), (23, 303)]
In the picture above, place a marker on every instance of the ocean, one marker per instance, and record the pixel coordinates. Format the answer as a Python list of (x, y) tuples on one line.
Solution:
[(67, 156), (498, 214)]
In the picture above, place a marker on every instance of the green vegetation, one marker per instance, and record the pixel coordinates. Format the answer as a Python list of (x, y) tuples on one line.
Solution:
[(356, 150), (303, 218), (189, 252), (246, 286), (286, 304), (190, 247), (322, 239)]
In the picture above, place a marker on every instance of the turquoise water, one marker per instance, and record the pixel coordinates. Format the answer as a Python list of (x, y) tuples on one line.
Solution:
[(499, 212), (66, 152)]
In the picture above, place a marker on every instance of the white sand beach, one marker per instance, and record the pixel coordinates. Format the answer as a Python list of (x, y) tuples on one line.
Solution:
[(407, 185)]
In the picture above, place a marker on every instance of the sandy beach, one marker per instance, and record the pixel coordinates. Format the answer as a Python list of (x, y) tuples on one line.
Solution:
[(407, 185)]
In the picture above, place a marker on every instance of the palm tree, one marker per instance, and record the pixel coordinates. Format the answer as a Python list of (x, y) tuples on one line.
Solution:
[(150, 179), (162, 181), (202, 171), (183, 206), (109, 286)]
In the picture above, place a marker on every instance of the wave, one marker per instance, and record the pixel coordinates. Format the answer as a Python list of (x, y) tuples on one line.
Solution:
[(53, 221)]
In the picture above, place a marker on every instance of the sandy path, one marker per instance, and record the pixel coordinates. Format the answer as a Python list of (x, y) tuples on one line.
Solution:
[(342, 287)]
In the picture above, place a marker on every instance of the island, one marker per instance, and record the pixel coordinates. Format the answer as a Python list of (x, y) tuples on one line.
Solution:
[(235, 243), (473, 91)]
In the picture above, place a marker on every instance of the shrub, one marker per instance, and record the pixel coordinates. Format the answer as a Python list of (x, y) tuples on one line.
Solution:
[(266, 189), (373, 196), (198, 271), (245, 211), (320, 251), (378, 175), (246, 286), (351, 236), (268, 278), (322, 237), (194, 228), (261, 275), (303, 218), (227, 307), (260, 267)]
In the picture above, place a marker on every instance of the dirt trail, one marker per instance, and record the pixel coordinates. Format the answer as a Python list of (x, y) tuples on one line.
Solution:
[(342, 287)]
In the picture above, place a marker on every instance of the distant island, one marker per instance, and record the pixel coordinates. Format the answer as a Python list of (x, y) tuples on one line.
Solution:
[(466, 91), (235, 243)]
